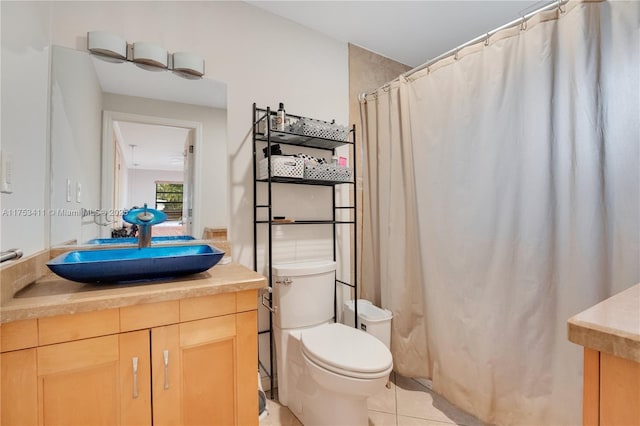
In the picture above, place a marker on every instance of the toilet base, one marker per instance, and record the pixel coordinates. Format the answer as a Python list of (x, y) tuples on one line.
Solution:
[(316, 396), (324, 408)]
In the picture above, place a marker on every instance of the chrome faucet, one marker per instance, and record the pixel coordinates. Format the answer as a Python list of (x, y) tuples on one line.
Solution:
[(145, 218)]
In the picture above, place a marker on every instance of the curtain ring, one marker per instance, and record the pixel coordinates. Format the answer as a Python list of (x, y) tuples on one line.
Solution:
[(523, 24), (560, 7), (486, 40)]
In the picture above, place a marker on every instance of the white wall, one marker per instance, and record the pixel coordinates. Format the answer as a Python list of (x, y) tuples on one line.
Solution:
[(142, 185), (25, 33), (262, 58), (76, 133)]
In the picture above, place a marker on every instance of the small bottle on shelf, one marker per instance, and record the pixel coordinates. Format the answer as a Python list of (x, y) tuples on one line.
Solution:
[(280, 118)]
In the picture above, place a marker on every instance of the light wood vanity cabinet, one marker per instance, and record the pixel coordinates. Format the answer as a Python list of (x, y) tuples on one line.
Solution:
[(195, 364), (91, 381), (204, 381), (19, 397), (611, 390), (610, 334)]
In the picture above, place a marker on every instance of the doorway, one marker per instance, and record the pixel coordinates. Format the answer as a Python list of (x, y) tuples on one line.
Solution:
[(152, 161)]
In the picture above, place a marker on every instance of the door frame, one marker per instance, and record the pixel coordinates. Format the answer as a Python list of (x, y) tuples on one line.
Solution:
[(108, 158)]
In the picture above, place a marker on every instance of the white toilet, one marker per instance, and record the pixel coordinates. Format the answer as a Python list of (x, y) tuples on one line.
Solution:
[(326, 370)]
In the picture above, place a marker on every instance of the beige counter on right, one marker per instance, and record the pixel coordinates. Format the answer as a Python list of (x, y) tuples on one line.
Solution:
[(610, 334)]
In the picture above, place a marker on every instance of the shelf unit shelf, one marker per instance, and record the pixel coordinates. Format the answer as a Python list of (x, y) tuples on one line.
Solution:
[(299, 181), (287, 138), (266, 138), (307, 222)]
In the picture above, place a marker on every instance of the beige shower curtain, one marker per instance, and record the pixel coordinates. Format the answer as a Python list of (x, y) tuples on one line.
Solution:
[(502, 196)]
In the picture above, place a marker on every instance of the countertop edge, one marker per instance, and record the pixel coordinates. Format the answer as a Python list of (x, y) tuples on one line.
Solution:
[(602, 339), (611, 326), (57, 305)]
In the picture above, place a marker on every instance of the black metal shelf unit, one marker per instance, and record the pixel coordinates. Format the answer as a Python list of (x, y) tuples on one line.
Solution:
[(266, 138)]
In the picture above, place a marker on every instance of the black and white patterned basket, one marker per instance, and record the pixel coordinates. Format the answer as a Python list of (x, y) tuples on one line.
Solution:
[(282, 166), (328, 172), (320, 129)]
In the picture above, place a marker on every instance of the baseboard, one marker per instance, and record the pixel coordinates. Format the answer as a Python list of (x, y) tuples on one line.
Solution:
[(425, 382)]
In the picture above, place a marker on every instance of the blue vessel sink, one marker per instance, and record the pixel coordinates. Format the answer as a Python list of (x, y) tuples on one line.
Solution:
[(134, 240), (134, 264)]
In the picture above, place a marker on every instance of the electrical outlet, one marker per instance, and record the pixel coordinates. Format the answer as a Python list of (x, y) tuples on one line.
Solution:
[(78, 192), (6, 171), (68, 190)]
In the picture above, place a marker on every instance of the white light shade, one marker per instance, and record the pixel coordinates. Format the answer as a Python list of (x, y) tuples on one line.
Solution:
[(150, 54), (189, 63), (107, 44)]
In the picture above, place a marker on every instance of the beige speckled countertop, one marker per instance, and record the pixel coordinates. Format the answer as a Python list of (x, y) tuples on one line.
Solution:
[(51, 295), (612, 326)]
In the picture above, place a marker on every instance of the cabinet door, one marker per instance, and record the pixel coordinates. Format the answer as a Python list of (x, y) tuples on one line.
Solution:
[(19, 397), (247, 373), (619, 391), (92, 381), (196, 379), (165, 372), (135, 380)]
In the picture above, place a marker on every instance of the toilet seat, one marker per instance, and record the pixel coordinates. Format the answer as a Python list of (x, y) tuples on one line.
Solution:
[(346, 351)]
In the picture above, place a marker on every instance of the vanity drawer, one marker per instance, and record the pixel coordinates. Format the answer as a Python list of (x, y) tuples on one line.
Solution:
[(215, 305), (65, 328), (18, 335), (247, 300), (149, 315)]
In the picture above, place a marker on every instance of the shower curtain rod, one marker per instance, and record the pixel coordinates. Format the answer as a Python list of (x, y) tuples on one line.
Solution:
[(522, 21)]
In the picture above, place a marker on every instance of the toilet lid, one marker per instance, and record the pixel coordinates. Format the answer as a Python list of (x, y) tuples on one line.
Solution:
[(341, 348)]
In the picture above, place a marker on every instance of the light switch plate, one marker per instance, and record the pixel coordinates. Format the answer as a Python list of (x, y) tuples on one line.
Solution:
[(5, 173)]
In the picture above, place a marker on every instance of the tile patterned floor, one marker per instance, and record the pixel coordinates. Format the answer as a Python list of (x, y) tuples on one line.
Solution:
[(405, 403)]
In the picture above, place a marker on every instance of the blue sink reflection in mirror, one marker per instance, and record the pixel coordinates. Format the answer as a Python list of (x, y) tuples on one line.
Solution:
[(134, 264), (134, 240)]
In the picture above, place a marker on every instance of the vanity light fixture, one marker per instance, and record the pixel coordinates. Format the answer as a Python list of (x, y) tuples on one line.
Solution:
[(102, 43), (150, 54), (106, 44), (188, 63)]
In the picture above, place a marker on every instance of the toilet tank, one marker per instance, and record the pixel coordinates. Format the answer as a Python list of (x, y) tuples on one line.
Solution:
[(303, 293)]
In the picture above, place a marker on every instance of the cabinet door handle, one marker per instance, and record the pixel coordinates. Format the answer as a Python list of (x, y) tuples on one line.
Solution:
[(135, 377), (166, 368)]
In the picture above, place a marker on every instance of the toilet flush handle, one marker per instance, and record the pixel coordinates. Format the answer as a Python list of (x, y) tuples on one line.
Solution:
[(285, 281)]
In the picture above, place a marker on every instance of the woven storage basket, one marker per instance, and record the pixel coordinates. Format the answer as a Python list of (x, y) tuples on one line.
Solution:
[(328, 172), (282, 166), (320, 129)]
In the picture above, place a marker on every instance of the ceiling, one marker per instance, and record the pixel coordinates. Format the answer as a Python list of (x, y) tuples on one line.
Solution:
[(410, 32)]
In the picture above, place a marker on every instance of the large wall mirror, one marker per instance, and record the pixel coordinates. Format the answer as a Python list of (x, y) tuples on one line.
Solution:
[(123, 136)]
